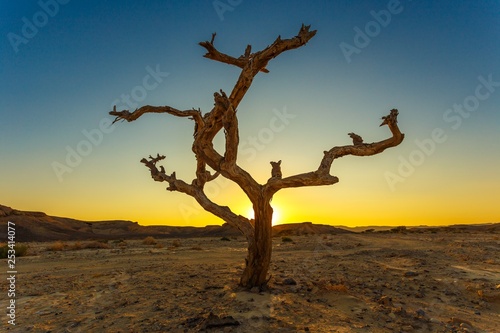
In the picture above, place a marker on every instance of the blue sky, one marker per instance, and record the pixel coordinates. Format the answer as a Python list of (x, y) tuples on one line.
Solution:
[(64, 64)]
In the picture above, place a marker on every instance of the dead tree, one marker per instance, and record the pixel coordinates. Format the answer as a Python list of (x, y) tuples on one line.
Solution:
[(258, 231)]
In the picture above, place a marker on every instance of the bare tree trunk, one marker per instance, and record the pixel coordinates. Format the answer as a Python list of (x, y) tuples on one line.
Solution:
[(260, 248)]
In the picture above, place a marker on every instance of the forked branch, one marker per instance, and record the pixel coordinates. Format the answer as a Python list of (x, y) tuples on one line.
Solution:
[(223, 212), (322, 175)]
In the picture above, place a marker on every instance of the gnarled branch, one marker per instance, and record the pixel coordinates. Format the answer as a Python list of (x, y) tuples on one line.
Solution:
[(241, 223), (131, 116), (214, 54), (322, 175)]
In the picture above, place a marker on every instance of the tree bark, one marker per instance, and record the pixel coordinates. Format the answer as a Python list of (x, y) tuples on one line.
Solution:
[(260, 248)]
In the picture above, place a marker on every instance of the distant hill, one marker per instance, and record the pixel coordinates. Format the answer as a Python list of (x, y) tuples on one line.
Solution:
[(40, 227), (306, 228)]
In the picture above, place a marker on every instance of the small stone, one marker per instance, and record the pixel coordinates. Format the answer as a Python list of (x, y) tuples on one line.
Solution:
[(461, 322), (410, 274), (385, 300), (420, 313), (289, 282)]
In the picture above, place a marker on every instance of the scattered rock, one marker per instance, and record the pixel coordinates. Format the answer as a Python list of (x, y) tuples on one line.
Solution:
[(385, 301), (420, 313), (460, 322), (214, 321), (411, 274), (289, 282)]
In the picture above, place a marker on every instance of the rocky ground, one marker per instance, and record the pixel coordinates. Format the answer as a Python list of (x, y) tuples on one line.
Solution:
[(370, 282)]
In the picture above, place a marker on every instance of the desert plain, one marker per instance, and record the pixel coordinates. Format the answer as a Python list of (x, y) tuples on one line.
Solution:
[(427, 281)]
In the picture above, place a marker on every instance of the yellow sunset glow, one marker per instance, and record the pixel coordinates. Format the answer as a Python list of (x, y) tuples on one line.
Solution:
[(276, 215)]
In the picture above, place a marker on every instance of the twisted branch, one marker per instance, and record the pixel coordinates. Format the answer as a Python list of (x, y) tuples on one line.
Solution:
[(322, 175)]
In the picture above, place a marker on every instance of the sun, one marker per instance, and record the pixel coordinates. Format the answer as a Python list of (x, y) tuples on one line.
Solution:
[(276, 215)]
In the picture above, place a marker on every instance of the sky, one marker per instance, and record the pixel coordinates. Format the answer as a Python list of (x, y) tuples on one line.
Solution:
[(64, 64)]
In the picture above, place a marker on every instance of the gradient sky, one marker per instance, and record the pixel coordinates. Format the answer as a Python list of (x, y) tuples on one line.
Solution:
[(63, 68)]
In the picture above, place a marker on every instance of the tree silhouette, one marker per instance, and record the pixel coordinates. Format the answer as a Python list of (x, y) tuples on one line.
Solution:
[(258, 231)]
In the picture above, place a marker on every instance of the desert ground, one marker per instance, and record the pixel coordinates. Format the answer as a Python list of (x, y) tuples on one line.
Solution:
[(364, 282)]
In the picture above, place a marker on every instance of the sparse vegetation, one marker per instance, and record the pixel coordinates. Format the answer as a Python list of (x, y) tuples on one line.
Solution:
[(401, 229), (149, 241), (176, 243), (61, 246), (20, 250), (123, 244), (57, 246), (96, 245), (76, 246)]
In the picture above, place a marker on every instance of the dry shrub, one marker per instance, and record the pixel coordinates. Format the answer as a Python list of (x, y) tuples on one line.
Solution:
[(197, 248), (20, 250), (76, 246), (176, 243), (57, 246), (120, 243), (96, 245), (341, 288), (159, 245), (149, 241)]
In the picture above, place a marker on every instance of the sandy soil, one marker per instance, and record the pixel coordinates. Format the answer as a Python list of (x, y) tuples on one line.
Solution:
[(373, 283)]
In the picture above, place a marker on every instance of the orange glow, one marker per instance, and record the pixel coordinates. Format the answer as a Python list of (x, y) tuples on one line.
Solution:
[(276, 215)]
